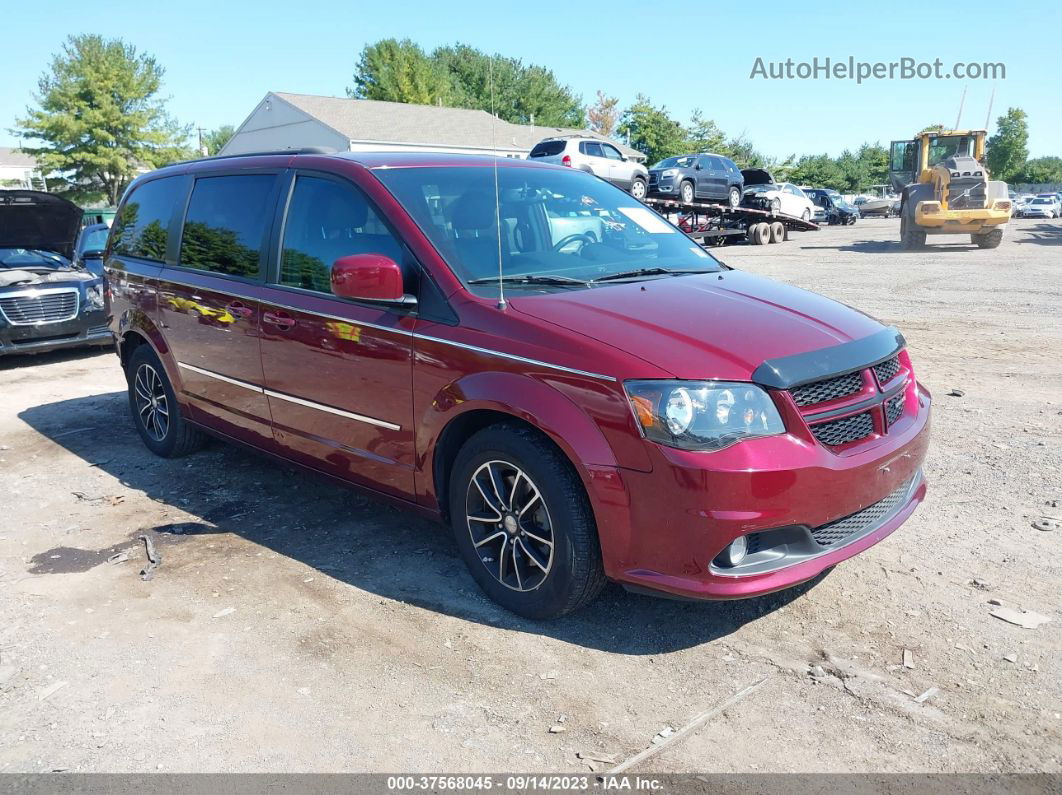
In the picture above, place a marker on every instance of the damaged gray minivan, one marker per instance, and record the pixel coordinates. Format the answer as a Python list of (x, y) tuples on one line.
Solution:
[(47, 301)]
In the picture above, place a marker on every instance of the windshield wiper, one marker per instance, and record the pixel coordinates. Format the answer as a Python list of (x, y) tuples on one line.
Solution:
[(657, 271), (531, 278)]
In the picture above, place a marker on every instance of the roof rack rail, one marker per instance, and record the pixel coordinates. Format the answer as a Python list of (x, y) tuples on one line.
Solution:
[(304, 150)]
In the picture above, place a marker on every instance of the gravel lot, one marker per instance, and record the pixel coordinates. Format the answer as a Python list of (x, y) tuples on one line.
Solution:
[(296, 626)]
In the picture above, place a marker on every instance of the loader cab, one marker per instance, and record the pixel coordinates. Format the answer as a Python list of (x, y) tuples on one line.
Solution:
[(910, 161)]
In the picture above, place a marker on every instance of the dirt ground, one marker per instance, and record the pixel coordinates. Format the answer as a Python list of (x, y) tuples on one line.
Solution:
[(297, 626)]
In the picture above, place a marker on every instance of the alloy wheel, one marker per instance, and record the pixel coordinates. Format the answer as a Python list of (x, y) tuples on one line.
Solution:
[(152, 405), (510, 526)]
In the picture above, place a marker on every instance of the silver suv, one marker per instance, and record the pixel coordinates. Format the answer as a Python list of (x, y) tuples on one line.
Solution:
[(596, 157)]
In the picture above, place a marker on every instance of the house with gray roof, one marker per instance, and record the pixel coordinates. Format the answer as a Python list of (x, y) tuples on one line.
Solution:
[(18, 169), (293, 121)]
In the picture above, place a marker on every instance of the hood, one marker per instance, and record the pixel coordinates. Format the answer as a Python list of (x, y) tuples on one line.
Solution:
[(716, 325), (757, 176), (33, 219)]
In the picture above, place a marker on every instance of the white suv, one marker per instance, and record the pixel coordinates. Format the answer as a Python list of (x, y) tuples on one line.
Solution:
[(596, 157)]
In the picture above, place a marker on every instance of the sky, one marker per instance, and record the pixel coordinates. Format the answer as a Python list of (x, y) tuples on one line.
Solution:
[(221, 57)]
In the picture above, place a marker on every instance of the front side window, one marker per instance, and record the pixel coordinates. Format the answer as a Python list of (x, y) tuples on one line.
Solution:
[(141, 226), (226, 224), (327, 220), (715, 164), (611, 152), (555, 223)]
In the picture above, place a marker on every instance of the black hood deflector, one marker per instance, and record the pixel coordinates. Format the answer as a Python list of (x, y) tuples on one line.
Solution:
[(34, 219)]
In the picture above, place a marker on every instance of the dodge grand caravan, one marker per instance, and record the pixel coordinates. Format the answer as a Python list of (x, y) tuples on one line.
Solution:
[(525, 352)]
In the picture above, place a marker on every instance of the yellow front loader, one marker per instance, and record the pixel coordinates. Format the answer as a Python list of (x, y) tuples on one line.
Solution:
[(945, 190)]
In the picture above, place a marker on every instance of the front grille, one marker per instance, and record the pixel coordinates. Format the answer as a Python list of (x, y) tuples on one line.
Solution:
[(887, 370), (834, 532), (844, 430), (829, 389), (894, 408), (45, 306)]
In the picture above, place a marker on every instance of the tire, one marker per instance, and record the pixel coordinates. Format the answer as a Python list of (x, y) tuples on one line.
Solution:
[(776, 206), (534, 580), (638, 188), (154, 409), (988, 239), (777, 232), (806, 215), (686, 194), (759, 234), (733, 197), (911, 239)]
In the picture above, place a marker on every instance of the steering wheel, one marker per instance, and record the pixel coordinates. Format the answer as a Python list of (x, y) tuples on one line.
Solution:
[(567, 240)]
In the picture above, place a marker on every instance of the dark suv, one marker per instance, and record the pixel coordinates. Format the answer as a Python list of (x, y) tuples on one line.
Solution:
[(525, 352), (706, 176)]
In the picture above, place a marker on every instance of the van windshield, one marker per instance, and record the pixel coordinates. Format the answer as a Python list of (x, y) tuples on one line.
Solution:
[(556, 224)]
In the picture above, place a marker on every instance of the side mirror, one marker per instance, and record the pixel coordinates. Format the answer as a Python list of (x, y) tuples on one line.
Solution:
[(696, 166), (368, 277)]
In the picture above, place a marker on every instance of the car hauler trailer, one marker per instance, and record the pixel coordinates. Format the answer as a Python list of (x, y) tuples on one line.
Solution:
[(716, 225)]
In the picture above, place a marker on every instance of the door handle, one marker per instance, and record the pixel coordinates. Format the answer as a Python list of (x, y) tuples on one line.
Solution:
[(237, 308), (280, 319)]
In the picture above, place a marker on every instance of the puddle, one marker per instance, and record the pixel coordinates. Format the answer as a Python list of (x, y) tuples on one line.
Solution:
[(71, 560)]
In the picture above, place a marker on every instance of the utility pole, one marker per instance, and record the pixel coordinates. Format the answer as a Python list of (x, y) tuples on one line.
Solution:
[(202, 147)]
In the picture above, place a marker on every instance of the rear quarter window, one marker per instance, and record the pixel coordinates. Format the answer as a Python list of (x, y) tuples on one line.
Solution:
[(547, 149), (142, 225)]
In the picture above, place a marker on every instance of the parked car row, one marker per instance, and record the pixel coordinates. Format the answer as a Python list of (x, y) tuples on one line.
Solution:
[(596, 157), (1043, 205)]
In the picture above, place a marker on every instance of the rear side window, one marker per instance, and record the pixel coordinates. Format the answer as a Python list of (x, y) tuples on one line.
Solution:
[(591, 148), (547, 149), (328, 220), (226, 223), (141, 227)]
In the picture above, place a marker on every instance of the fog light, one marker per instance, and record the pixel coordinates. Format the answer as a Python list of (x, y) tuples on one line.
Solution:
[(734, 553)]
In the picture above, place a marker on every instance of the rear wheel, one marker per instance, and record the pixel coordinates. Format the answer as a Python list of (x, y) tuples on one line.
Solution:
[(638, 188), (988, 239), (686, 192), (523, 523), (733, 197), (911, 237), (759, 234), (154, 408), (777, 232)]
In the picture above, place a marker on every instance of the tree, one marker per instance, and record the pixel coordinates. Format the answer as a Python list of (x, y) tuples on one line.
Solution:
[(651, 130), (704, 135), (1041, 171), (213, 140), (819, 171), (521, 94), (1007, 150), (400, 71), (99, 119), (603, 114)]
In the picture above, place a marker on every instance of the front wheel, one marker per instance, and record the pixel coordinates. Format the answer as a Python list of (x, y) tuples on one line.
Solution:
[(686, 192), (806, 215), (911, 238), (523, 523), (154, 408), (776, 206), (638, 188)]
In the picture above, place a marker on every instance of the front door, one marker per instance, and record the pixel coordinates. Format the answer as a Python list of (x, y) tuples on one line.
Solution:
[(621, 171), (209, 320), (338, 373)]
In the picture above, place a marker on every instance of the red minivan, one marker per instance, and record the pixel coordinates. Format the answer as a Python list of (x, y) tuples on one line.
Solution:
[(525, 352)]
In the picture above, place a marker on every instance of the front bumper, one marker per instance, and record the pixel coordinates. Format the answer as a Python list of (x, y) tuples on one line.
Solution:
[(53, 337), (661, 530)]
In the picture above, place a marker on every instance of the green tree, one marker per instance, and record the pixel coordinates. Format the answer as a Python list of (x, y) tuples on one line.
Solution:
[(704, 135), (1007, 150), (521, 94), (651, 130), (818, 171), (213, 140), (603, 115), (1041, 171), (99, 118), (400, 71)]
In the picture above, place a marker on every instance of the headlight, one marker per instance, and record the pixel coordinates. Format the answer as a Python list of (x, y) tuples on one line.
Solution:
[(702, 415), (94, 296), (669, 172)]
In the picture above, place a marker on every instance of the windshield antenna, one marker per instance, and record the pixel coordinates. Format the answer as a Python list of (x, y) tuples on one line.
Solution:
[(497, 194)]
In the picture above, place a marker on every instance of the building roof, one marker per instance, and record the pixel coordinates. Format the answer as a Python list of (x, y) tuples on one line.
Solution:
[(374, 121), (10, 156)]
